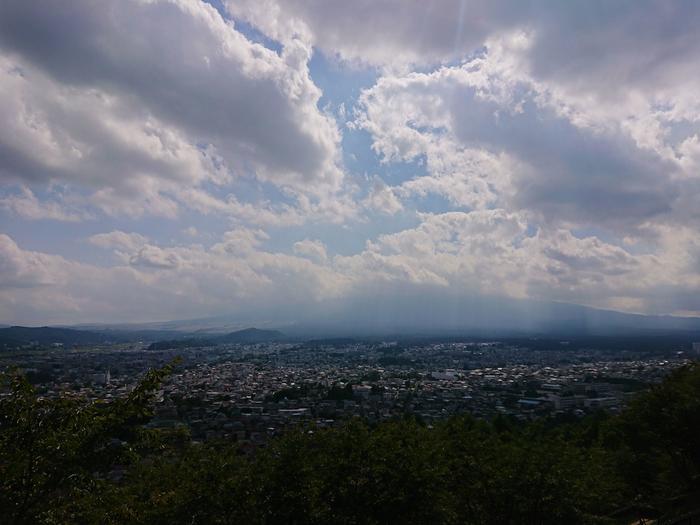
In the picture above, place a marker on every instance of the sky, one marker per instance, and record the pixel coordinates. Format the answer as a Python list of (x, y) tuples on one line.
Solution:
[(272, 159)]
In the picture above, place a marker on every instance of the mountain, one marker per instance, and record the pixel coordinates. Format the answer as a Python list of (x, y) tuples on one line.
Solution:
[(419, 312), (181, 343), (18, 336), (218, 325), (430, 313), (427, 311), (251, 335), (8, 343), (21, 335)]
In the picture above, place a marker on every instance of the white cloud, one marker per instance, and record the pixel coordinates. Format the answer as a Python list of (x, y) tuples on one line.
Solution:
[(622, 78), (592, 47), (235, 275), (489, 139), (469, 178), (561, 139), (119, 240), (466, 254), (27, 206), (393, 32), (493, 252), (154, 257), (137, 99), (382, 198), (22, 269), (314, 250), (240, 241)]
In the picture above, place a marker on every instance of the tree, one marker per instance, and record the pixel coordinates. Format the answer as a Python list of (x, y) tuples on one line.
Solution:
[(53, 451), (657, 440)]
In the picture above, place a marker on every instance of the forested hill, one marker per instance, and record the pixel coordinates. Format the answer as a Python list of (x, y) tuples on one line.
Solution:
[(19, 336), (251, 335), (246, 336), (178, 344), (23, 335)]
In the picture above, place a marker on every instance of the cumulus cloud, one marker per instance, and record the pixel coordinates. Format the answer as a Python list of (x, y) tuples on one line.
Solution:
[(118, 240), (240, 240), (22, 269), (137, 99), (235, 275), (154, 257), (388, 32), (613, 90), (314, 250), (528, 150), (493, 252), (481, 253), (588, 45), (489, 140), (382, 198), (27, 206)]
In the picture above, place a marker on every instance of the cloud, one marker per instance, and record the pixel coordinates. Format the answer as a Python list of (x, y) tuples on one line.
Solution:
[(388, 32), (527, 150), (154, 257), (137, 99), (613, 89), (466, 255), (27, 206), (240, 241), (314, 250), (592, 46), (490, 139), (382, 198), (497, 253), (466, 177), (235, 275), (119, 240), (22, 269)]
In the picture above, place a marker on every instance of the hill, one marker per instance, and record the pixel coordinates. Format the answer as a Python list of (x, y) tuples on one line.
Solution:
[(181, 343), (15, 336), (251, 335), (434, 313)]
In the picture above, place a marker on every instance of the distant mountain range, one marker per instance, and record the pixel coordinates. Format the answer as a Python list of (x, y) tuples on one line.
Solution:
[(430, 313), (404, 315), (251, 335), (45, 335), (246, 336), (19, 336), (438, 314)]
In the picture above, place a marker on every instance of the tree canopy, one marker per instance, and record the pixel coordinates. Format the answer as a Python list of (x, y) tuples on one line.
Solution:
[(68, 461)]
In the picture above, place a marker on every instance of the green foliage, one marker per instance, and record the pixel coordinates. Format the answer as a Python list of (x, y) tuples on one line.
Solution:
[(350, 475), (340, 393), (53, 451), (58, 458), (181, 343), (657, 440)]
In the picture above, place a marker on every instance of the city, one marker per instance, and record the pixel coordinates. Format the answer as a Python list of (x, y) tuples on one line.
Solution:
[(250, 392)]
